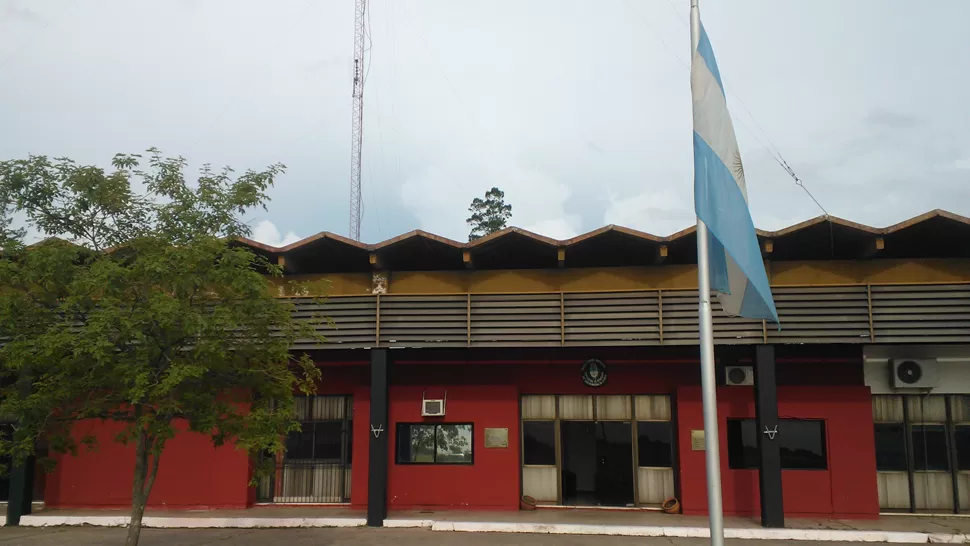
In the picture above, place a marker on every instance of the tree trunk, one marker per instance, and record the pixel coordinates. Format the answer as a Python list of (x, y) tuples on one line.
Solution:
[(146, 468)]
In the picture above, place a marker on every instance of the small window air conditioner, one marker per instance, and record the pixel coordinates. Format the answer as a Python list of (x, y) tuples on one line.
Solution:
[(433, 408), (739, 375), (914, 374)]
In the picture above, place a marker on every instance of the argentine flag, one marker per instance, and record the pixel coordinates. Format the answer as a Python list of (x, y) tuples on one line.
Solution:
[(720, 196)]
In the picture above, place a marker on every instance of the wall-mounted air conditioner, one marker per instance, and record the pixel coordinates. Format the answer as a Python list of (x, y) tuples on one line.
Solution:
[(911, 373), (433, 408), (739, 375)]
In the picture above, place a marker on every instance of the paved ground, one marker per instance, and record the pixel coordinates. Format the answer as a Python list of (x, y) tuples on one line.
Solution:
[(90, 536)]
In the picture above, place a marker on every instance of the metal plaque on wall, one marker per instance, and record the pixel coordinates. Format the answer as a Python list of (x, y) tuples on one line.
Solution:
[(697, 440), (496, 437)]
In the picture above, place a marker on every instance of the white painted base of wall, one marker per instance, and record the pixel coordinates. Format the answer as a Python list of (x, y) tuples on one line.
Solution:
[(201, 522), (814, 535)]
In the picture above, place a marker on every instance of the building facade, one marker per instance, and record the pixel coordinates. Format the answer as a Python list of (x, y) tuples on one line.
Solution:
[(466, 376)]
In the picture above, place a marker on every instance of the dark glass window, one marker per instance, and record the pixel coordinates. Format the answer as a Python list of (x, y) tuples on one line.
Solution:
[(299, 443), (961, 437), (929, 447), (539, 442), (742, 444), (350, 441), (419, 443), (890, 447), (801, 442), (320, 438), (317, 441), (654, 444), (326, 440)]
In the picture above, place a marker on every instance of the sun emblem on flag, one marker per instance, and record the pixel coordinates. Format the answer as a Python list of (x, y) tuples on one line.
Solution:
[(737, 166)]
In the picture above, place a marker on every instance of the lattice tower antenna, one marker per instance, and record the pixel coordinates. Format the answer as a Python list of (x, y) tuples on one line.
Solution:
[(357, 124)]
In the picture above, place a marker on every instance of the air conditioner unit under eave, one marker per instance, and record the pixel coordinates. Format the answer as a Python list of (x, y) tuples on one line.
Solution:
[(911, 373), (433, 408), (738, 375)]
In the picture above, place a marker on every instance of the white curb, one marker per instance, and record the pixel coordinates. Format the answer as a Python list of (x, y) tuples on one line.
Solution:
[(814, 535), (408, 523), (156, 522), (755, 533)]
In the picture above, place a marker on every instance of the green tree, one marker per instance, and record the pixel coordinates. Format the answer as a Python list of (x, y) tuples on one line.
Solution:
[(488, 215), (142, 311)]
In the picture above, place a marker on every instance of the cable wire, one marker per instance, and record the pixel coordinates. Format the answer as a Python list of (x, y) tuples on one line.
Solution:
[(766, 143)]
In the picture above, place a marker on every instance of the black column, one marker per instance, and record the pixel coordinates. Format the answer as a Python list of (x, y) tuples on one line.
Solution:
[(21, 495), (21, 491), (377, 470), (766, 417)]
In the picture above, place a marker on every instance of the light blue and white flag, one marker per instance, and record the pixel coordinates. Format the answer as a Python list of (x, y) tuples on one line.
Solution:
[(720, 196)]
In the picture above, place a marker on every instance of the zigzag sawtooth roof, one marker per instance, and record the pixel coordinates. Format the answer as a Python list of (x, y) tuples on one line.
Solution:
[(935, 234)]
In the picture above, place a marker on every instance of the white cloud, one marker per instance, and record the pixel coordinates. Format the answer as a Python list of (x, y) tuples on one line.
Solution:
[(439, 196), (267, 233), (660, 212), (961, 165), (558, 228)]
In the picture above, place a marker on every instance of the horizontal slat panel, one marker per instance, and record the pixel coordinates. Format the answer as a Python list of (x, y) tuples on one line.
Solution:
[(462, 298), (432, 322), (834, 314), (515, 319), (477, 331), (645, 308), (680, 322), (575, 296), (831, 314), (927, 313), (619, 318), (411, 321), (613, 335), (515, 343), (523, 336), (491, 311), (352, 321), (626, 328), (424, 337), (515, 297)]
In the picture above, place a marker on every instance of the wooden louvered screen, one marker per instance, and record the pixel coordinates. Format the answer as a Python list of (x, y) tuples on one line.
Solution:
[(424, 321), (516, 319), (618, 318), (921, 314), (354, 321), (828, 314), (679, 317), (680, 322)]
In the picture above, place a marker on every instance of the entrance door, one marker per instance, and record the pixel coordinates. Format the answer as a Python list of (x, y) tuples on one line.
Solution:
[(597, 463)]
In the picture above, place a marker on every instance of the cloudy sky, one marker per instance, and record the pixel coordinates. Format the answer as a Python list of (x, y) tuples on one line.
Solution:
[(580, 111)]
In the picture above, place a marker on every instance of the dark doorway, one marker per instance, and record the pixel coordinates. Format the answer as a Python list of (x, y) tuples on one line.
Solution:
[(597, 463)]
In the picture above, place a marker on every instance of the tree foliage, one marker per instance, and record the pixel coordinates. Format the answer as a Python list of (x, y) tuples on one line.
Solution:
[(489, 214), (142, 311)]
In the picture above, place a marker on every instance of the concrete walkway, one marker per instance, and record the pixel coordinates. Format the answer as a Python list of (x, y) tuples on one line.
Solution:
[(896, 529)]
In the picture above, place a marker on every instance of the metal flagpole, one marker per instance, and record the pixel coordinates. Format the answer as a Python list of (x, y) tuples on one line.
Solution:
[(706, 327)]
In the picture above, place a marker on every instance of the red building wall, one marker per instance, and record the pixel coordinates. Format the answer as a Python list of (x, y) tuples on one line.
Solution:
[(191, 473), (360, 462), (491, 482), (846, 489), (194, 474)]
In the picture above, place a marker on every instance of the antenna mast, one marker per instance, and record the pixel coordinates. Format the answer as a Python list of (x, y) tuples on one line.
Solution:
[(357, 124)]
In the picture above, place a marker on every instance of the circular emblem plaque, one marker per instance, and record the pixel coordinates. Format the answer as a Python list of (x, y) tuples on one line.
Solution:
[(594, 373)]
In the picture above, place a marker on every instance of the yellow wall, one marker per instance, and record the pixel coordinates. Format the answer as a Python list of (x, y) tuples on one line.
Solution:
[(870, 272), (337, 284), (630, 278)]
